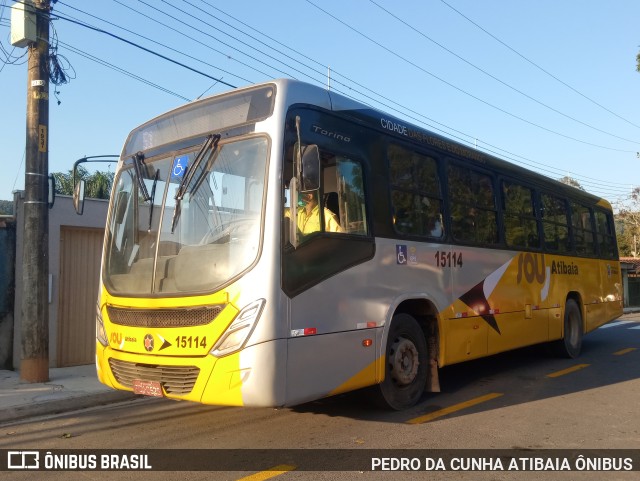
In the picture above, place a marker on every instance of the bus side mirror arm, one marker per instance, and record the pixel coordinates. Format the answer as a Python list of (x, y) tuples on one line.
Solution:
[(79, 184)]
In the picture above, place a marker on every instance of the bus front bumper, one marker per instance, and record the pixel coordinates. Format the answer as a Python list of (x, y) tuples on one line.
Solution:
[(253, 376)]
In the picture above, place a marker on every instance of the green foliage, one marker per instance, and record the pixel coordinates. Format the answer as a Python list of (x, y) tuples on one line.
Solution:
[(97, 185), (572, 182), (6, 207), (627, 222)]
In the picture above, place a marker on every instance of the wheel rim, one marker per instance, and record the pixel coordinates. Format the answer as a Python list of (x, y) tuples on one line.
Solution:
[(404, 361)]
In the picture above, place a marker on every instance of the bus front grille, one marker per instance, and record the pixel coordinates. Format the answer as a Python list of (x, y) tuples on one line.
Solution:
[(174, 379), (198, 316)]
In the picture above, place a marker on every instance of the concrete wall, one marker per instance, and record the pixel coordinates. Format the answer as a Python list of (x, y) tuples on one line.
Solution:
[(62, 214)]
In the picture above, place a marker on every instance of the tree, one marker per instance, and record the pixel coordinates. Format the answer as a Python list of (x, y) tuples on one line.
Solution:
[(572, 182), (6, 207), (97, 185), (628, 225), (638, 62)]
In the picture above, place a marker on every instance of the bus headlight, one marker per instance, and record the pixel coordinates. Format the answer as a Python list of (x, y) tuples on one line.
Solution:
[(240, 329), (101, 334)]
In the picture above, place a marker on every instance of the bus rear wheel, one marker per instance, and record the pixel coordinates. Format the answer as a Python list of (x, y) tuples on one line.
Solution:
[(571, 343), (406, 362)]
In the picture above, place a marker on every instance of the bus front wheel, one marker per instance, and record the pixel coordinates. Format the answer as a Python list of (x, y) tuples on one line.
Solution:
[(406, 363), (571, 343)]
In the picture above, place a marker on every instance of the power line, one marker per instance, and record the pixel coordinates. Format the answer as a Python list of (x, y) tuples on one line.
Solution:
[(224, 43), (104, 63), (489, 147), (462, 90), (152, 52), (509, 155), (590, 182), (194, 39), (149, 39), (538, 66), (422, 34)]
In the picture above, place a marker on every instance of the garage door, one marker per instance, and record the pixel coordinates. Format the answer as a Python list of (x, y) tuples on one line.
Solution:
[(80, 254)]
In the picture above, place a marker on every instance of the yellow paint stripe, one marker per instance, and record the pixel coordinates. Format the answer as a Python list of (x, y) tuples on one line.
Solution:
[(568, 370), (270, 473), (451, 409), (625, 351)]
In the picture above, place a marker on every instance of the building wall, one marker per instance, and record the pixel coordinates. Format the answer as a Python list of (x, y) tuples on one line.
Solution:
[(62, 214)]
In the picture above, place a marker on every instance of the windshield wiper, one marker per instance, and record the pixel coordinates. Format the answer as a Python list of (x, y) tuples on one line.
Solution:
[(138, 165), (195, 174)]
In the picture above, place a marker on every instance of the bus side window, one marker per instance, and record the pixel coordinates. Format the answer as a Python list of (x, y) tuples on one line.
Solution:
[(582, 229), (520, 224), (605, 235), (554, 223), (416, 196), (472, 203)]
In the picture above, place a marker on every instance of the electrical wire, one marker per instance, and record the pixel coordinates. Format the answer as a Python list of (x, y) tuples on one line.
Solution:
[(219, 40), (152, 52), (524, 94), (121, 70), (538, 66), (488, 147), (151, 40), (461, 90)]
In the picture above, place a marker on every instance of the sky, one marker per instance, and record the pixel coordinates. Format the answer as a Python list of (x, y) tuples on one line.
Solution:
[(548, 85)]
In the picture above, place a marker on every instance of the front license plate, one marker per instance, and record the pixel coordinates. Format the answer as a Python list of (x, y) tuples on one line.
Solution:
[(147, 388)]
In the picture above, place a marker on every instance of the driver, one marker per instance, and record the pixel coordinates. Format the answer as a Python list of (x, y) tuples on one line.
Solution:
[(309, 215)]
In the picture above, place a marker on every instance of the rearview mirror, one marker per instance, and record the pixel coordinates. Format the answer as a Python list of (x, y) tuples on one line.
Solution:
[(78, 197), (310, 168)]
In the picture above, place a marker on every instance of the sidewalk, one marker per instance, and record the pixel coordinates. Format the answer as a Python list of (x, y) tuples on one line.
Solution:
[(68, 389)]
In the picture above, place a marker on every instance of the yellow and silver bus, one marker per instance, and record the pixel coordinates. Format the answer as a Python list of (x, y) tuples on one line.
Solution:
[(424, 252)]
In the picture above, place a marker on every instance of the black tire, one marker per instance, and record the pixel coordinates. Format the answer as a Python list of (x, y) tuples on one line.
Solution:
[(406, 364), (571, 343)]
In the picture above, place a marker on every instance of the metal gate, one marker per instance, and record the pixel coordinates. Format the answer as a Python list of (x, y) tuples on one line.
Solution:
[(80, 254)]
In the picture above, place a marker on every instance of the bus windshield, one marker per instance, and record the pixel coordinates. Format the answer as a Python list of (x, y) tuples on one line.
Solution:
[(216, 235)]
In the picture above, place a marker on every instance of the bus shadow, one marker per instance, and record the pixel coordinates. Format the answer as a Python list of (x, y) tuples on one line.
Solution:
[(521, 376)]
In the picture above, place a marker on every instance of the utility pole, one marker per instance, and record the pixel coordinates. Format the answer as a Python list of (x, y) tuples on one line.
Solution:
[(34, 364)]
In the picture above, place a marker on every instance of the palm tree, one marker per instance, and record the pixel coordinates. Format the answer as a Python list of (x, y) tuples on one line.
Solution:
[(98, 184)]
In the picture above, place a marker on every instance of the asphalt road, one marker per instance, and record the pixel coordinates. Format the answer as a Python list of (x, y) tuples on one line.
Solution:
[(522, 400)]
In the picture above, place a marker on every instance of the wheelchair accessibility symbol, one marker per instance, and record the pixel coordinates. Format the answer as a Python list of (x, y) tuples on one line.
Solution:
[(179, 166), (401, 254)]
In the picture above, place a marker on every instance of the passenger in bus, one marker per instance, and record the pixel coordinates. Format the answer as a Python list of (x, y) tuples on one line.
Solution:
[(435, 227), (309, 215)]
